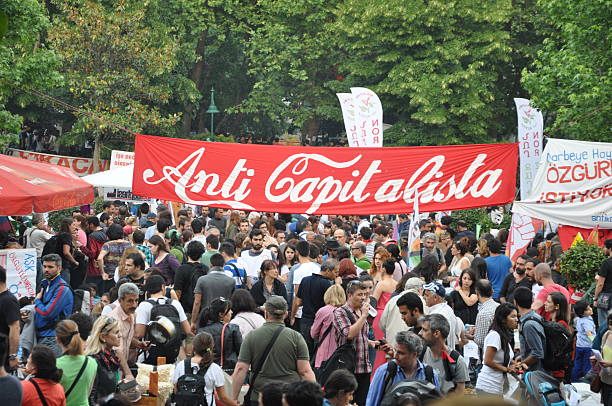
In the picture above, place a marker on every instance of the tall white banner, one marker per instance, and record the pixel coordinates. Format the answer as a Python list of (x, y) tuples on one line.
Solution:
[(347, 103), (20, 265), (530, 132), (369, 117), (573, 185)]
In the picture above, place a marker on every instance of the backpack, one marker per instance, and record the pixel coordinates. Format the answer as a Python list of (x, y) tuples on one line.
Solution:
[(392, 371), (190, 387), (448, 372), (199, 270), (559, 350), (243, 280), (170, 350), (53, 246), (81, 301), (343, 357), (425, 391)]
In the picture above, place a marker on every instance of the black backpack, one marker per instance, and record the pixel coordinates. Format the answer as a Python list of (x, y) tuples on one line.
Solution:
[(190, 387), (392, 372), (53, 246), (342, 358), (423, 390), (559, 349), (170, 350)]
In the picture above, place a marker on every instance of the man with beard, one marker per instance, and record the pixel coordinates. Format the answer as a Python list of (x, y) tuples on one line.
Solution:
[(124, 314), (515, 279), (530, 265), (253, 258), (134, 267)]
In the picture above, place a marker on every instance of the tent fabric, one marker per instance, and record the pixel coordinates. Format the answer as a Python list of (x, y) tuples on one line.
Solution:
[(28, 187), (114, 178)]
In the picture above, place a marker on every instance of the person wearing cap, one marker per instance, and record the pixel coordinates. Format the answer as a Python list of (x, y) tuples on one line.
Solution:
[(435, 294), (463, 231), (287, 361), (392, 320), (331, 246)]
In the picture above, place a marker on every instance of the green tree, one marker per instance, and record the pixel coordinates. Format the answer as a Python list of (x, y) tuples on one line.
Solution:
[(572, 76), (25, 61), (433, 63), (114, 64)]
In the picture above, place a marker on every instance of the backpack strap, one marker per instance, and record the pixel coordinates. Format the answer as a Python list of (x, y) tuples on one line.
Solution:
[(244, 278), (260, 363), (78, 376), (187, 365), (40, 394), (454, 356), (389, 375), (429, 374)]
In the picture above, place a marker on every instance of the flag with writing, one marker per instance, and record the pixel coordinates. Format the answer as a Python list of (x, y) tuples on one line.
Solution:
[(414, 238)]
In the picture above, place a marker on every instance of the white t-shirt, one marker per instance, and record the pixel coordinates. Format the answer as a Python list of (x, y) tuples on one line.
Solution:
[(252, 263), (247, 322), (143, 311), (214, 378), (491, 380)]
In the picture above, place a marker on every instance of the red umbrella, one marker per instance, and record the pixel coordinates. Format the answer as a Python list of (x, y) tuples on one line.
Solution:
[(34, 187)]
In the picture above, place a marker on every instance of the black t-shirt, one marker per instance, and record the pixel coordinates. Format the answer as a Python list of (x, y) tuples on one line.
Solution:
[(183, 281), (311, 291), (9, 311), (138, 282), (64, 239), (606, 272), (510, 286)]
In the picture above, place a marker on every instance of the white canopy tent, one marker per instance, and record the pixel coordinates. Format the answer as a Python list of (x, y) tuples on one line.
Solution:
[(114, 178)]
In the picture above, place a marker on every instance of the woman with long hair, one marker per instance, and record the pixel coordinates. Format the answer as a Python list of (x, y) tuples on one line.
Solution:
[(479, 265), (428, 269), (68, 240), (268, 284), (44, 375), (215, 320), (79, 370), (203, 348), (286, 259), (322, 327), (498, 350), (460, 261), (164, 260), (233, 225), (174, 240), (245, 313), (557, 309), (464, 298), (105, 335), (376, 270)]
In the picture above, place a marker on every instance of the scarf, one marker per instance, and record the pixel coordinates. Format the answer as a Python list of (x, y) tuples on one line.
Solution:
[(109, 359)]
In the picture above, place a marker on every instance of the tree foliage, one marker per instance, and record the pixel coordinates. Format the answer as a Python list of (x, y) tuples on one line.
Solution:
[(572, 76), (433, 63), (113, 63), (580, 263), (25, 61)]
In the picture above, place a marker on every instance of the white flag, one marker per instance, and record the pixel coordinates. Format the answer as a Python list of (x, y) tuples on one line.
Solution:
[(530, 133), (414, 238), (347, 103), (369, 117)]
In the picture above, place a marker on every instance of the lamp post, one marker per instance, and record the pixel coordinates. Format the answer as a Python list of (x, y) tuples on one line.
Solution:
[(212, 110)]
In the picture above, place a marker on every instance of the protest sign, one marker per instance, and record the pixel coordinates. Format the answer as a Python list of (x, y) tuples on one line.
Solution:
[(522, 231), (20, 265), (121, 158), (324, 180), (573, 185), (81, 166)]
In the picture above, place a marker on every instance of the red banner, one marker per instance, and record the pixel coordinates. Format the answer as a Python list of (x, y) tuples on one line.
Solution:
[(324, 180), (81, 166)]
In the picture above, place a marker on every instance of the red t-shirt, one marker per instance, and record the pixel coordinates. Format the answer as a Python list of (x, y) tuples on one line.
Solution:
[(52, 391), (543, 295)]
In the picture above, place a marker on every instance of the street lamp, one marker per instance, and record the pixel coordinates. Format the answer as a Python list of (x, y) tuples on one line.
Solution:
[(212, 109)]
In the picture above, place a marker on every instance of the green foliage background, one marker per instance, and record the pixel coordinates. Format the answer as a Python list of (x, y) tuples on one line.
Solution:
[(580, 263)]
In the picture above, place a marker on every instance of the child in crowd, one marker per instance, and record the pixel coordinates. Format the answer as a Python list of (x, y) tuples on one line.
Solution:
[(585, 333)]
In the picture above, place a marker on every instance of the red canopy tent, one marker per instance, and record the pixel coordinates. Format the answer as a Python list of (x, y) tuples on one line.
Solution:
[(31, 186)]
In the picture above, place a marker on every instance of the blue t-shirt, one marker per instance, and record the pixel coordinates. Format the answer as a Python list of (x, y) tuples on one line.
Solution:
[(584, 324), (498, 268), (238, 272)]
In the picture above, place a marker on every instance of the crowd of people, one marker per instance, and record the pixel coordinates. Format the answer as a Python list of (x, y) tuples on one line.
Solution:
[(281, 302)]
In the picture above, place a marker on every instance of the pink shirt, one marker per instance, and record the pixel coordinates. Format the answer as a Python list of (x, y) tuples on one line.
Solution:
[(543, 295), (126, 326), (322, 323)]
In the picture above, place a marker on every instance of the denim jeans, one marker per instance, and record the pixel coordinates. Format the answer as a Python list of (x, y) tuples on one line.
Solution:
[(582, 363), (51, 342), (602, 317)]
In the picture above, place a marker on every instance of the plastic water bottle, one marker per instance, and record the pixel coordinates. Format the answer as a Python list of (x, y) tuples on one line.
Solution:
[(20, 353)]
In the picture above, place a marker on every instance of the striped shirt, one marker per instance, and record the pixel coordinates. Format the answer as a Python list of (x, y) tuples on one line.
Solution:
[(342, 324)]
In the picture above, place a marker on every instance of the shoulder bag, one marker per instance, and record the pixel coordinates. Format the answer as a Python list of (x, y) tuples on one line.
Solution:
[(260, 364)]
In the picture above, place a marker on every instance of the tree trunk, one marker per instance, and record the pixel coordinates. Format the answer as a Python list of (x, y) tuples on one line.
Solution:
[(196, 76), (96, 153)]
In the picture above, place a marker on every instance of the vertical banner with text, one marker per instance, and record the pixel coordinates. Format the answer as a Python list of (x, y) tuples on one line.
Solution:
[(530, 133), (20, 265)]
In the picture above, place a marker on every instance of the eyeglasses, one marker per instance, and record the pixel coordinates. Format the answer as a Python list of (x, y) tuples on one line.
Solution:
[(109, 321)]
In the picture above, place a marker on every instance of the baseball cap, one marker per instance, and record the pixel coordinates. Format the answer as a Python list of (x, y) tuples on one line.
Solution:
[(276, 305), (436, 288)]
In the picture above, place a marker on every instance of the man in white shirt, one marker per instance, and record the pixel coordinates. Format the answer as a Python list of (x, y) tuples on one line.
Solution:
[(434, 294), (306, 268), (253, 258), (38, 235)]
